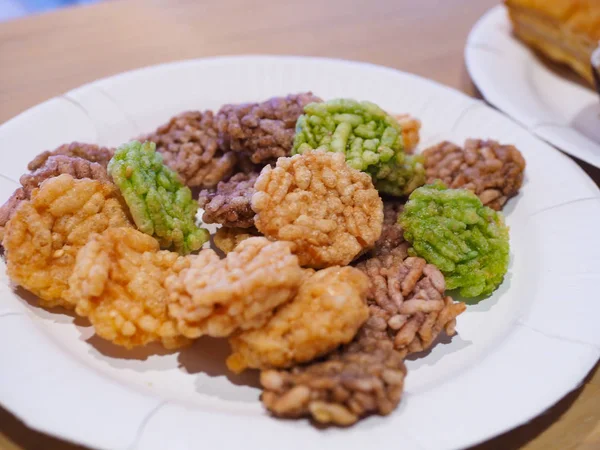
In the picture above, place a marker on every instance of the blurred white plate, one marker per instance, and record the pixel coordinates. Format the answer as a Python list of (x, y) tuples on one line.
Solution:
[(516, 353), (548, 100)]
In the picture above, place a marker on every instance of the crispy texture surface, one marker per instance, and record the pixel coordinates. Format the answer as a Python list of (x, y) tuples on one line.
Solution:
[(159, 204), (230, 203), (467, 241), (227, 239), (407, 302), (392, 234), (407, 312), (189, 145), (263, 131), (365, 377), (218, 297), (118, 283), (89, 152), (494, 172), (327, 311), (45, 233), (53, 166), (371, 139), (56, 165), (330, 211)]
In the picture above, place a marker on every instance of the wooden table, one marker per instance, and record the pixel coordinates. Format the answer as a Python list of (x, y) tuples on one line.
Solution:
[(43, 56)]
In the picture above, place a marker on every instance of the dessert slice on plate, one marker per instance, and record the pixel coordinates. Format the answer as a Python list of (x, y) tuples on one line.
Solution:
[(566, 31)]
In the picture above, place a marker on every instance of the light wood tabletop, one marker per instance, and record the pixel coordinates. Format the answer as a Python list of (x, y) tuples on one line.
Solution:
[(46, 55)]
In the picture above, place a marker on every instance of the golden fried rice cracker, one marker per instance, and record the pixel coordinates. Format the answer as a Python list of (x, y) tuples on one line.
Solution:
[(118, 283), (327, 312), (330, 211), (217, 297), (45, 233)]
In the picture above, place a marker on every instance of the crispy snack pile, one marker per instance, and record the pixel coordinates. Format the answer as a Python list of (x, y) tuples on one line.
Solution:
[(159, 204), (467, 241), (327, 311), (230, 203), (407, 312), (330, 211), (118, 283), (262, 131), (217, 297), (325, 285), (494, 172), (370, 138), (45, 233), (205, 148), (189, 145)]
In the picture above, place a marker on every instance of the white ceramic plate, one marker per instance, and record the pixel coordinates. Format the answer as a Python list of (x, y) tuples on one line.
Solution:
[(555, 107), (516, 353)]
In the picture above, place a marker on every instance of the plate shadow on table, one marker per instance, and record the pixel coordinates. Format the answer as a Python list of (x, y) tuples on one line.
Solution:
[(16, 435), (592, 171), (466, 84)]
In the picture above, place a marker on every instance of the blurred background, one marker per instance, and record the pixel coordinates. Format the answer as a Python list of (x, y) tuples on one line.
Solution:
[(11, 9)]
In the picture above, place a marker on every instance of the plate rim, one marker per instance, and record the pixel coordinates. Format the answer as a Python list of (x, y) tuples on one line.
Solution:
[(273, 57), (552, 133)]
